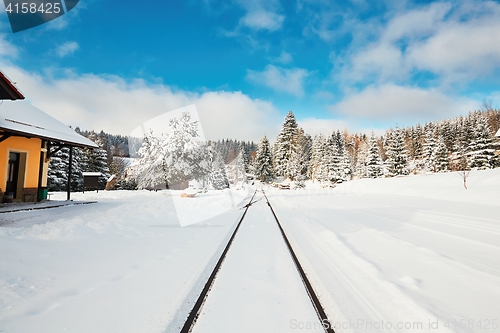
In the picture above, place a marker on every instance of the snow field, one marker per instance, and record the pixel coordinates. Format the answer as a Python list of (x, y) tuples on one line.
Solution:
[(123, 264), (411, 250), (400, 251)]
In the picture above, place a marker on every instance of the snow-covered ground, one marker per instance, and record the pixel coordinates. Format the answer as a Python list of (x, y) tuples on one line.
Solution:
[(402, 251), (410, 251), (123, 264)]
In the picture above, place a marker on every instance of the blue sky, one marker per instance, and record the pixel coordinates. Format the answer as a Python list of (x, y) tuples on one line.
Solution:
[(355, 64)]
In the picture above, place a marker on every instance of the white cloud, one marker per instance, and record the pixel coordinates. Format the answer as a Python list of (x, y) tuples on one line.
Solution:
[(261, 15), (460, 50), (118, 106), (262, 19), (379, 61), (67, 48), (315, 126), (280, 79), (284, 58), (399, 103), (458, 43), (6, 48)]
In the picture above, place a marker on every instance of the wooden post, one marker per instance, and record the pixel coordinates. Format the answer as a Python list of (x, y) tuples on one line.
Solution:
[(70, 169)]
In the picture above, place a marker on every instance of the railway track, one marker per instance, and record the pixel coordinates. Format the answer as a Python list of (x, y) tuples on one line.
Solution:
[(315, 302)]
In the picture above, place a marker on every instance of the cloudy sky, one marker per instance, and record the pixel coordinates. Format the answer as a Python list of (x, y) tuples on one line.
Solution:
[(355, 64)]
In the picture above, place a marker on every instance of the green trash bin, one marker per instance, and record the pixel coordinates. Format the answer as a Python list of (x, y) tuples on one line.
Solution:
[(42, 193)]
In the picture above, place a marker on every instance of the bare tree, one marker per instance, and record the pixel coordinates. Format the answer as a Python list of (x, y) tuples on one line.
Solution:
[(464, 174), (487, 105), (118, 166)]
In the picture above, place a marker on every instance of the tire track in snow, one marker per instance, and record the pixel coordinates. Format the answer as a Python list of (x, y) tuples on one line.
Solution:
[(441, 233)]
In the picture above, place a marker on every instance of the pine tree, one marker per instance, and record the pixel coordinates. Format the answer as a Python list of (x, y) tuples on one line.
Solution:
[(59, 168), (397, 161), (374, 168), (76, 170), (361, 167), (447, 133), (333, 158), (480, 148), (263, 165), (417, 142), (430, 147), (345, 166), (218, 176), (58, 171), (316, 159), (285, 147), (301, 155), (441, 158), (96, 160)]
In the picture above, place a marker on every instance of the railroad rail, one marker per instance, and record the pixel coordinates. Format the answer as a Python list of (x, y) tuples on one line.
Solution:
[(193, 315), (320, 311)]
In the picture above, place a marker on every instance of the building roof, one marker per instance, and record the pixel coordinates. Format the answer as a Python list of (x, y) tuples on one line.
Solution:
[(23, 119), (7, 89), (498, 133)]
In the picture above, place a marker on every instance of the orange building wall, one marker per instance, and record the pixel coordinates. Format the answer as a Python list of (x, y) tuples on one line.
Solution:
[(21, 145)]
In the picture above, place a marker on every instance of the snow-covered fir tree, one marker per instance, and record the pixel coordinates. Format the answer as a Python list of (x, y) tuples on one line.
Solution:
[(374, 164), (397, 156), (360, 167), (301, 155), (77, 170), (332, 159), (430, 147), (58, 170), (96, 160), (441, 158), (316, 168), (480, 148), (218, 174), (345, 165), (263, 164), (285, 147)]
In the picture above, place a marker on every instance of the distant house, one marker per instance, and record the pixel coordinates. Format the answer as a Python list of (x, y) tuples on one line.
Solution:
[(498, 133), (28, 138)]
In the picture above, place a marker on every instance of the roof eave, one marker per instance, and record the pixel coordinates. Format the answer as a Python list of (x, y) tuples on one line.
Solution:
[(9, 87), (57, 141)]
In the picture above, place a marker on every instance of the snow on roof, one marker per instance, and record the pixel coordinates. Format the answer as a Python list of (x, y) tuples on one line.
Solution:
[(22, 118), (92, 174), (8, 90)]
